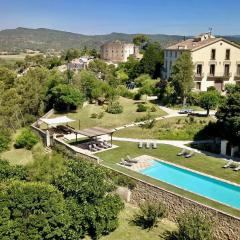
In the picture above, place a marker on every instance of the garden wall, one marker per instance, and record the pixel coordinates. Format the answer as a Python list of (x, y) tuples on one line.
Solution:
[(227, 227)]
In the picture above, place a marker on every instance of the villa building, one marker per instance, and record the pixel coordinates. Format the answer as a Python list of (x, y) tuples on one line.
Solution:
[(216, 60), (117, 51)]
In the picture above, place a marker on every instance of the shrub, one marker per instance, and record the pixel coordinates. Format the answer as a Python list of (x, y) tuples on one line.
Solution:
[(4, 141), (100, 115), (137, 96), (114, 108), (94, 115), (193, 226), (141, 107), (153, 109), (27, 139), (11, 172), (150, 214)]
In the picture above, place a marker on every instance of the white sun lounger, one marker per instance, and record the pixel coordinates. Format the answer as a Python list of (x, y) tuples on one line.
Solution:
[(125, 163), (96, 147), (154, 145), (189, 154), (129, 159), (237, 168), (148, 145), (183, 152), (140, 145), (228, 164)]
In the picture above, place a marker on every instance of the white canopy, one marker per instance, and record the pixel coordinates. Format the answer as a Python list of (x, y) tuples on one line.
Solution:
[(56, 121)]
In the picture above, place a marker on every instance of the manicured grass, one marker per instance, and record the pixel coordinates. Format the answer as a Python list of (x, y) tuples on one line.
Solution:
[(127, 230), (13, 57), (177, 128), (128, 115), (199, 162)]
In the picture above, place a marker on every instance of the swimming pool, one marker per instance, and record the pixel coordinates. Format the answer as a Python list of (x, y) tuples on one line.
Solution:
[(209, 187)]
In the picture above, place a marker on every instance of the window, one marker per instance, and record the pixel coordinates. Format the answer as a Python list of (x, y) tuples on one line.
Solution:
[(226, 70), (170, 53), (227, 57), (212, 69), (199, 69), (198, 85), (238, 70), (213, 54), (176, 54)]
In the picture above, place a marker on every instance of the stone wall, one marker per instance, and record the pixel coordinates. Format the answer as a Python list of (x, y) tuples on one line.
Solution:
[(226, 227)]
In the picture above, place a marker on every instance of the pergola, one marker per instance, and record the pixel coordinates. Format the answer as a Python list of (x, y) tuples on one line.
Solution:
[(95, 132)]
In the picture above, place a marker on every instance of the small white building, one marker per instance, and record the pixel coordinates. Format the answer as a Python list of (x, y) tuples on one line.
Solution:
[(80, 63), (216, 60)]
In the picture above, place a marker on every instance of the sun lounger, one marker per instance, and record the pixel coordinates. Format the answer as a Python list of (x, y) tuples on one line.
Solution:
[(228, 164), (189, 154), (96, 147), (106, 144), (140, 145), (237, 168), (91, 148), (129, 159), (148, 145), (183, 152), (154, 145), (100, 144), (125, 163)]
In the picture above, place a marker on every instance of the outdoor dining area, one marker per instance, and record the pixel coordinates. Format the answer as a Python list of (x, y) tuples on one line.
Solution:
[(90, 139)]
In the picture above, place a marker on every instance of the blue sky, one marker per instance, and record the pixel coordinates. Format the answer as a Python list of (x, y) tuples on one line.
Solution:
[(185, 17)]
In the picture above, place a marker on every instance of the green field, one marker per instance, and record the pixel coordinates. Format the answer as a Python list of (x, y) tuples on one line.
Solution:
[(128, 115), (128, 230), (199, 162), (177, 128)]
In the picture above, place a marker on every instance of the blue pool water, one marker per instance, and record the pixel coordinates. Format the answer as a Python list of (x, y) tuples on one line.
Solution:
[(211, 188)]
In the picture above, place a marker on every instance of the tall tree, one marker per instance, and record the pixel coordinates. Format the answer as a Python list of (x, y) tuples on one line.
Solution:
[(228, 116), (140, 39), (182, 75), (152, 60), (209, 100)]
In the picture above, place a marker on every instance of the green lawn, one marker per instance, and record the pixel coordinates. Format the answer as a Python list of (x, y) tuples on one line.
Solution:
[(129, 115), (199, 162), (177, 128), (127, 230)]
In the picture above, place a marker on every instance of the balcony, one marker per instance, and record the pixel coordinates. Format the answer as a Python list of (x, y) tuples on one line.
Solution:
[(199, 76), (219, 76), (237, 77)]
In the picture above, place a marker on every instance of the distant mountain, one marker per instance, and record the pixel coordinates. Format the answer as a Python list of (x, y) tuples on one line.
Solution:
[(20, 39)]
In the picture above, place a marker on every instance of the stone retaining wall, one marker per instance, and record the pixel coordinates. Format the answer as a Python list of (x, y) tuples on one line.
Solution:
[(226, 227)]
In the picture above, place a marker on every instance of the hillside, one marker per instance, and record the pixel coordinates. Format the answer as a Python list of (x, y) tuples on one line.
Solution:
[(42, 39), (20, 39)]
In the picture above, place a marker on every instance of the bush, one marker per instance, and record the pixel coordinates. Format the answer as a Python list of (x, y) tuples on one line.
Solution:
[(94, 115), (141, 107), (193, 226), (4, 141), (100, 115), (137, 96), (153, 109), (27, 139), (150, 214), (114, 108), (11, 172)]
